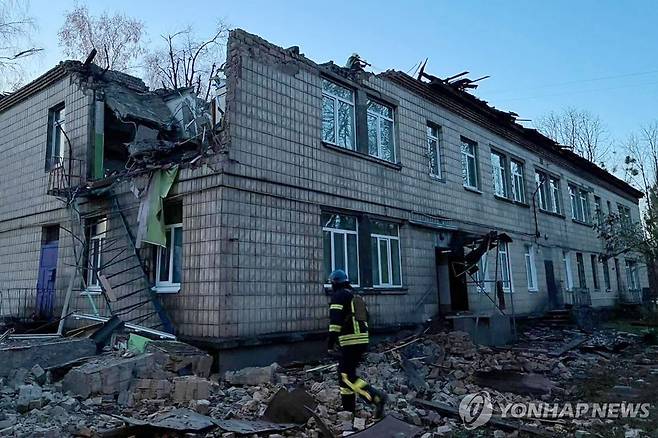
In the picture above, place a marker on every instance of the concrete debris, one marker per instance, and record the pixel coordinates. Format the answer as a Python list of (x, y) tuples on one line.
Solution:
[(166, 387), (252, 375), (48, 353)]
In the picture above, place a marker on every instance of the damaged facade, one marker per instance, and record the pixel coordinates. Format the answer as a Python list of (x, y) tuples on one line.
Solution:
[(238, 218)]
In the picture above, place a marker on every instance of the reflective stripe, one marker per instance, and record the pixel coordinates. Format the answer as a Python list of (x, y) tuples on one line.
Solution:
[(351, 337), (357, 329), (357, 386), (336, 307), (353, 342), (346, 391), (334, 328)]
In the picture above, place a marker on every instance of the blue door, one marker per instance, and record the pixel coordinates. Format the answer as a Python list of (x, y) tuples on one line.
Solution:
[(46, 280)]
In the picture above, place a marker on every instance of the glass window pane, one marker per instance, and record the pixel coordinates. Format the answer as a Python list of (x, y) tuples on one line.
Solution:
[(178, 255), (339, 251), (374, 255), (472, 172), (433, 156), (164, 260), (345, 125), (384, 228), (465, 170), (352, 259), (337, 90), (383, 261), (326, 251), (386, 137), (372, 136), (395, 262), (328, 123), (338, 221)]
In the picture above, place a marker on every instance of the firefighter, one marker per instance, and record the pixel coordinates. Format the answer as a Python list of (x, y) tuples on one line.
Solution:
[(348, 328)]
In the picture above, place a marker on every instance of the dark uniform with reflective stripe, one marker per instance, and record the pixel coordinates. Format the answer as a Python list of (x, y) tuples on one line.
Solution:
[(352, 337)]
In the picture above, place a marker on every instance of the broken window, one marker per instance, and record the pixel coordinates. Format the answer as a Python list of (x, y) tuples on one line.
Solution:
[(337, 115), (169, 259), (531, 271), (434, 150), (341, 246), (469, 163), (606, 275), (548, 193), (380, 131), (97, 236), (579, 204), (595, 271), (580, 263), (568, 276), (632, 277), (56, 138), (499, 173), (518, 181), (385, 248)]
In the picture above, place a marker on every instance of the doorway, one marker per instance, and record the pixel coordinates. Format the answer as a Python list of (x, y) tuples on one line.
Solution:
[(45, 293), (551, 286)]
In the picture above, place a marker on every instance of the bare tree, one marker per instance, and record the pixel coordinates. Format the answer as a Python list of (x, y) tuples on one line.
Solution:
[(117, 38), (16, 27), (186, 60), (580, 130)]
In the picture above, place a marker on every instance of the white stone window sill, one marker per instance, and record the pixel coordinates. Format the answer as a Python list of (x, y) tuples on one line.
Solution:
[(166, 288)]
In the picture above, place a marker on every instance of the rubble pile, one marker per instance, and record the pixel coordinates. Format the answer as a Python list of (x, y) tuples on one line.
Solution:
[(167, 388)]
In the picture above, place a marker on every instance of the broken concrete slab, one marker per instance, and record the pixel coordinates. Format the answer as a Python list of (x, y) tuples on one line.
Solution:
[(389, 427), (29, 397), (51, 353), (181, 358), (189, 388), (252, 375), (252, 426), (516, 382), (289, 407)]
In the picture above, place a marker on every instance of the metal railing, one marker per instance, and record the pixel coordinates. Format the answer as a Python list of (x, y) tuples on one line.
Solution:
[(577, 297), (65, 175), (26, 304)]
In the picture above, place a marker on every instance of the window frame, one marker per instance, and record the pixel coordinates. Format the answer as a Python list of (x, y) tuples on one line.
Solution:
[(632, 275), (607, 282), (388, 238), (580, 266), (501, 170), (549, 192), (337, 99), (379, 118), (93, 286), (436, 150), (531, 275), (333, 231), (568, 272), (56, 140), (595, 272), (598, 209), (580, 208), (464, 161), (504, 254), (168, 286), (517, 184)]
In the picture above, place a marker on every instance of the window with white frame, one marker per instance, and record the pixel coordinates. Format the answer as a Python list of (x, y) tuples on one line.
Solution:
[(518, 181), (338, 115), (580, 263), (548, 193), (469, 163), (499, 174), (632, 276), (580, 210), (169, 259), (56, 138), (381, 138), (531, 271), (624, 213), (598, 210), (341, 245), (482, 276), (434, 150), (385, 250), (505, 267), (97, 236), (568, 274)]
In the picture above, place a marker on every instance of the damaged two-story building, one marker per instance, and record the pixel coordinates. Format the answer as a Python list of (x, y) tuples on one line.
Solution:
[(221, 223)]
